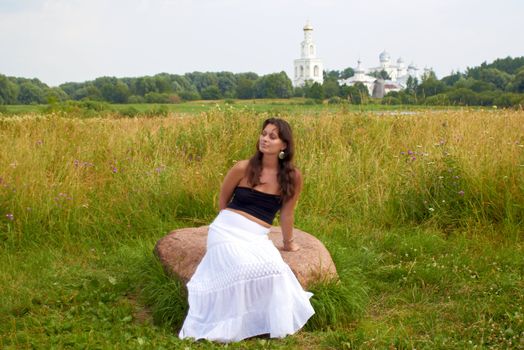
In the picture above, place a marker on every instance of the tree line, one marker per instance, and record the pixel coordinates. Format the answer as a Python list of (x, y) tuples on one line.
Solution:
[(161, 88), (498, 83)]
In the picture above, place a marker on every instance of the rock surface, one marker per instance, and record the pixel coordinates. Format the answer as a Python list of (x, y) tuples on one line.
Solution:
[(181, 251)]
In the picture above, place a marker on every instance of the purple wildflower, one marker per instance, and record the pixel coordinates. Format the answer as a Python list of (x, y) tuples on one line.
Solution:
[(10, 216), (403, 153), (76, 162), (460, 193), (114, 170), (410, 152), (413, 158)]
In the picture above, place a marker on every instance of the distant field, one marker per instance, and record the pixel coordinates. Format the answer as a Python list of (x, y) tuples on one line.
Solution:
[(294, 105), (422, 211)]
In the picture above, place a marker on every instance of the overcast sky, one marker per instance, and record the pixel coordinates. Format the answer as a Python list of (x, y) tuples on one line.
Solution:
[(78, 40)]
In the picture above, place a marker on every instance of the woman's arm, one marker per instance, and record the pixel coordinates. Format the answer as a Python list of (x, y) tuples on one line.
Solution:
[(287, 216), (233, 177)]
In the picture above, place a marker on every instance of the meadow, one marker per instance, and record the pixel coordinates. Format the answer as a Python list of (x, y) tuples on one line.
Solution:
[(423, 213)]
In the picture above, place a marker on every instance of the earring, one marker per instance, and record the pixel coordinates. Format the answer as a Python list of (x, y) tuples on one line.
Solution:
[(281, 155)]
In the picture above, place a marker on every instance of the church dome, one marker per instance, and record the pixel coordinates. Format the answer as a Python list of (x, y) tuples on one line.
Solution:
[(400, 60), (384, 56), (308, 26)]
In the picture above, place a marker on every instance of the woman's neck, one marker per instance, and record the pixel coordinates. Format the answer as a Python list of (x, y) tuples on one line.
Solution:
[(270, 163)]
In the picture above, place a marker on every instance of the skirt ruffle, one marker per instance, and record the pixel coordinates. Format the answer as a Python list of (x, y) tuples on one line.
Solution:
[(242, 287)]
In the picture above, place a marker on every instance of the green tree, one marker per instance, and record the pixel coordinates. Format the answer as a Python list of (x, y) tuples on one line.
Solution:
[(331, 88), (144, 85), (211, 92), (496, 77), (56, 94), (202, 80), (8, 91), (462, 97), (430, 85), (245, 88), (517, 84), (358, 94), (315, 91), (347, 73), (163, 83), (411, 85), (227, 84), (276, 85), (331, 75), (31, 93), (451, 79)]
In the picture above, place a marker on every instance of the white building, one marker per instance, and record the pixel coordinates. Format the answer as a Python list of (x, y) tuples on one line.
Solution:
[(398, 74), (360, 76), (308, 67)]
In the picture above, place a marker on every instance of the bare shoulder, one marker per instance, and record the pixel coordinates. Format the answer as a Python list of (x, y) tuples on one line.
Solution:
[(241, 165)]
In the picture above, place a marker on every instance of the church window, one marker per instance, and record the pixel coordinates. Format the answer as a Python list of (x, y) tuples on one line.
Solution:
[(311, 50), (315, 71), (301, 71)]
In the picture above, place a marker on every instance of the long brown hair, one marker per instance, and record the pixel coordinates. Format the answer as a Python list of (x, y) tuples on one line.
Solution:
[(286, 169)]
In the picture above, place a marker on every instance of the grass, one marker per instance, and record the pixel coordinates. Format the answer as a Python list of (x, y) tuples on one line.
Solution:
[(422, 214), (274, 106)]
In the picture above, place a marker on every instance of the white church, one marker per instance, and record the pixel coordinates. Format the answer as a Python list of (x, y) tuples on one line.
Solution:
[(398, 75), (310, 68)]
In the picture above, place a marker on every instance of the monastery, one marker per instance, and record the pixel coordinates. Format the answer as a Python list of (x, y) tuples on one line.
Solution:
[(310, 68)]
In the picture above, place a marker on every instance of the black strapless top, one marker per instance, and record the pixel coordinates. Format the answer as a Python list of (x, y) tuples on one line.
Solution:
[(263, 206)]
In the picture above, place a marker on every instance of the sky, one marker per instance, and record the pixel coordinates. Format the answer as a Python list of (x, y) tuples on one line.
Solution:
[(60, 41)]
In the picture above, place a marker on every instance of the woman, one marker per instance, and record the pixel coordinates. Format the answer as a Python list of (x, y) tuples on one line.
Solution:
[(242, 287)]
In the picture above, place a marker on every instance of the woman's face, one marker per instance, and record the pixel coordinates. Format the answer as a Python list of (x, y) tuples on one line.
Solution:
[(269, 142)]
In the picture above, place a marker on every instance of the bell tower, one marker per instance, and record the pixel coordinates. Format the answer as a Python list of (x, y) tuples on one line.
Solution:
[(308, 68)]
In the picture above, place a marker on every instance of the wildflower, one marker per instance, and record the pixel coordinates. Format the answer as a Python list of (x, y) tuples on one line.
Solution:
[(431, 209), (413, 158), (460, 193), (114, 170), (403, 153), (76, 162), (10, 216), (410, 152), (39, 142)]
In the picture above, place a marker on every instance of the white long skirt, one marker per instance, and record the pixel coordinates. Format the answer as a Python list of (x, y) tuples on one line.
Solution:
[(242, 287)]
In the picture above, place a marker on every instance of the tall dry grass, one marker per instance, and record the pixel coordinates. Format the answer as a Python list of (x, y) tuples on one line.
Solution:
[(66, 178)]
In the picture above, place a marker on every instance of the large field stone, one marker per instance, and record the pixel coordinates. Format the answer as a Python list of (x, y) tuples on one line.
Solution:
[(181, 251)]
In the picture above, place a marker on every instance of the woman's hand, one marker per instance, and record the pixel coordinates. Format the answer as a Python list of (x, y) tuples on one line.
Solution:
[(291, 246)]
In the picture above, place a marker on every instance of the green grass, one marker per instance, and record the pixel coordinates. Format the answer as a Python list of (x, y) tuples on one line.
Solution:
[(274, 106), (421, 265)]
